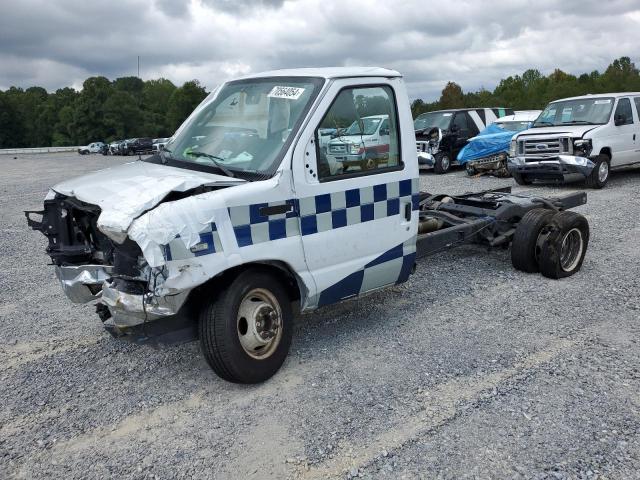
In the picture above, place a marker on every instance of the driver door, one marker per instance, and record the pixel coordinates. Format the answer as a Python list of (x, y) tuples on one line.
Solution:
[(358, 227)]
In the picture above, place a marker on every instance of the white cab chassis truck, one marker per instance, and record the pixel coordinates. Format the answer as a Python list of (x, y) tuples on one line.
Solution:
[(239, 223), (579, 139)]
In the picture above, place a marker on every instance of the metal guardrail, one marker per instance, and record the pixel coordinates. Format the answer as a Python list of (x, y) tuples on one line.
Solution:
[(16, 151)]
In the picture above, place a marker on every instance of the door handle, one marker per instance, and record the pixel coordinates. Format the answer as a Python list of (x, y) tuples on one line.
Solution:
[(634, 137), (407, 211)]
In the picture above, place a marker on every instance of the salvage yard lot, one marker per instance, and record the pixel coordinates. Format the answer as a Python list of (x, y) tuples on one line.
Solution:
[(470, 369)]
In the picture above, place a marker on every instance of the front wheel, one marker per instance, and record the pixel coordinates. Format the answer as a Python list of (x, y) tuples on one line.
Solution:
[(246, 331), (599, 176), (471, 170), (442, 163)]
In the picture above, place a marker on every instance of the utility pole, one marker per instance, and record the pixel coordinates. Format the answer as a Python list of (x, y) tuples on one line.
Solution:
[(138, 66)]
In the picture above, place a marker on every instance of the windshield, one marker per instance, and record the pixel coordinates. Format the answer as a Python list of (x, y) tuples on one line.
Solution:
[(433, 119), (583, 111), (246, 127), (370, 125), (514, 126)]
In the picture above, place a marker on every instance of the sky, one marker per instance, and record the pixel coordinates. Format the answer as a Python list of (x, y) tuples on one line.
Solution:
[(58, 43)]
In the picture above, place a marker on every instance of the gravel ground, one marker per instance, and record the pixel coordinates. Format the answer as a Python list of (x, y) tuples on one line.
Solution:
[(469, 370)]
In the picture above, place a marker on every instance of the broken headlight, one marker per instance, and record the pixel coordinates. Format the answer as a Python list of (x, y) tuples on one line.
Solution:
[(355, 149), (512, 148), (582, 147)]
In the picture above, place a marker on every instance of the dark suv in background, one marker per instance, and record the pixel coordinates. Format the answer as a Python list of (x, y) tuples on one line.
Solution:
[(136, 146), (441, 134)]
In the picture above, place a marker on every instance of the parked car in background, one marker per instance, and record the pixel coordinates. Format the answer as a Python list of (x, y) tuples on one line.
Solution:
[(159, 143), (114, 147), (487, 152), (364, 145), (135, 146), (440, 135), (579, 138), (95, 147)]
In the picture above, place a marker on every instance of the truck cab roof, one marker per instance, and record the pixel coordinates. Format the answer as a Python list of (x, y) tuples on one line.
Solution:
[(599, 95), (327, 73)]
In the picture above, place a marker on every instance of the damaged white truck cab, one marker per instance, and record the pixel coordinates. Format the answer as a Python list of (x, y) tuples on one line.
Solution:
[(240, 218)]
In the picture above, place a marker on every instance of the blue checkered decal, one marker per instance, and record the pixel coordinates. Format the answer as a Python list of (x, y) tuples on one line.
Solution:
[(209, 243), (393, 266), (251, 227), (323, 212)]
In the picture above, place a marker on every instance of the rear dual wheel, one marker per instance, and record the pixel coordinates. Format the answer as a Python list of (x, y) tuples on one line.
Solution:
[(552, 243)]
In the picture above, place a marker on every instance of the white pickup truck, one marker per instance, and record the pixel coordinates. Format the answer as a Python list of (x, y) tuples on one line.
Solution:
[(237, 223), (579, 138)]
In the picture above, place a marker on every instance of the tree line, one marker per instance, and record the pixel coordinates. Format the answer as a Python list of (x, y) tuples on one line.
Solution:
[(532, 90), (103, 110), (130, 107)]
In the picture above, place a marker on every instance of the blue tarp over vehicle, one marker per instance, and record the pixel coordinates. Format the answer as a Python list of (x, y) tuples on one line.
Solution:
[(491, 141)]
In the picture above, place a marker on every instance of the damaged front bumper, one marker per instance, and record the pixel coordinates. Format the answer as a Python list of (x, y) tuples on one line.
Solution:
[(561, 168), (131, 309), (82, 283), (122, 311), (425, 158)]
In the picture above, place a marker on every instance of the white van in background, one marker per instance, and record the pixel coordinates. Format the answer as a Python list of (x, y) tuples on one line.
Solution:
[(579, 138)]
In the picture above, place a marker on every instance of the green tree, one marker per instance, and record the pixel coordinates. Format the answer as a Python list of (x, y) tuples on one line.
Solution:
[(182, 102), (452, 96), (89, 110)]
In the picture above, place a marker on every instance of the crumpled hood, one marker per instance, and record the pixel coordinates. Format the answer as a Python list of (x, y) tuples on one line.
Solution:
[(573, 130), (125, 192)]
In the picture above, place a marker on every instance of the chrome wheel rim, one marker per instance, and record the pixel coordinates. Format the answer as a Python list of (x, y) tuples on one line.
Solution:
[(603, 171), (259, 323), (571, 249), (445, 162)]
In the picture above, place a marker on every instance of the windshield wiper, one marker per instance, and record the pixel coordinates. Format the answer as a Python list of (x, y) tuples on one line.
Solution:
[(215, 160), (542, 122), (578, 122)]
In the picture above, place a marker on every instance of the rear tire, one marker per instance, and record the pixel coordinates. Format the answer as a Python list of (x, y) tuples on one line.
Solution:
[(563, 250), (524, 247), (231, 325), (600, 174), (442, 163), (520, 179)]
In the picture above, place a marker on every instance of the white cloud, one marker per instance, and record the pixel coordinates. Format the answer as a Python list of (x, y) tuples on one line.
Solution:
[(55, 44)]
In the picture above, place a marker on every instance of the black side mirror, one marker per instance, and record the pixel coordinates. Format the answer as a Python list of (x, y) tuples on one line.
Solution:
[(384, 131), (620, 119)]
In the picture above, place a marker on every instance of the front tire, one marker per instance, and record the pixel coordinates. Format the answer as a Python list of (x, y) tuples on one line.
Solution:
[(246, 330), (442, 163), (471, 170), (599, 176)]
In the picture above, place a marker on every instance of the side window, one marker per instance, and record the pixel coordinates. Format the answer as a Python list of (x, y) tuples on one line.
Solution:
[(348, 139), (623, 115), (637, 102), (471, 125), (460, 121)]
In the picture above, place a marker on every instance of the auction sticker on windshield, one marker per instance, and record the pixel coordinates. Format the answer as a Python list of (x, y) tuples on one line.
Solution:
[(602, 102), (291, 93)]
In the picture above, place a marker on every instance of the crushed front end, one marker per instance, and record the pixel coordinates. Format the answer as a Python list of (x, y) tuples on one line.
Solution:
[(551, 158), (91, 266)]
